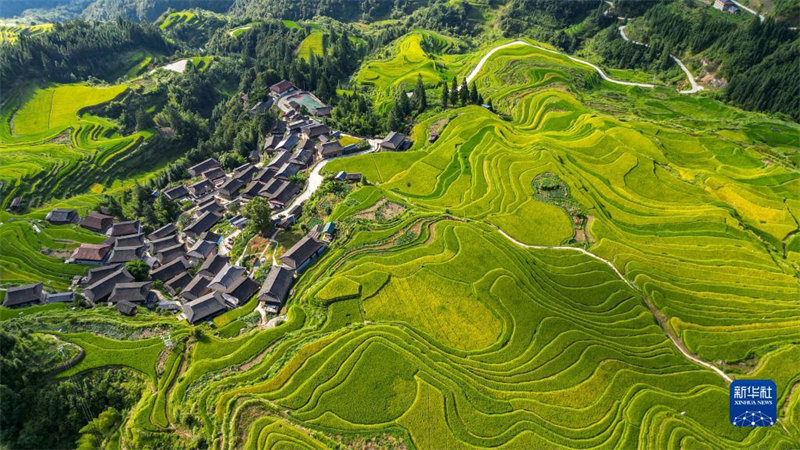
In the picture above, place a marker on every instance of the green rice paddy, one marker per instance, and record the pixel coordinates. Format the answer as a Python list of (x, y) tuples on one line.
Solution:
[(10, 34)]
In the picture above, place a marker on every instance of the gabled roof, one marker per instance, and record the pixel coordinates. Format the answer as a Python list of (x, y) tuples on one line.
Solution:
[(176, 193), (302, 156), (209, 236), (212, 266), (170, 269), (214, 174), (171, 253), (241, 291), (288, 170), (20, 295), (124, 228), (272, 141), (130, 240), (393, 140), (252, 189), (204, 166), (201, 187), (204, 307), (61, 297), (300, 252), (353, 177), (201, 249), (60, 215), (279, 160), (288, 142), (98, 291), (227, 277), (179, 281), (315, 129), (126, 308), (162, 232), (273, 186), (231, 186), (281, 87), (160, 245), (285, 193), (196, 288), (125, 254), (203, 223), (98, 273), (134, 292), (246, 172), (211, 205), (91, 252), (306, 144), (278, 127), (277, 285), (332, 148), (97, 222)]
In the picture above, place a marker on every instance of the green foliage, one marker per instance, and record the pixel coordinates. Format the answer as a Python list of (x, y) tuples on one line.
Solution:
[(259, 216), (139, 269)]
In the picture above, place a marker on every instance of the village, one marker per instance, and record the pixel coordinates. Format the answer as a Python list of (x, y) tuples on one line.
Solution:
[(190, 270)]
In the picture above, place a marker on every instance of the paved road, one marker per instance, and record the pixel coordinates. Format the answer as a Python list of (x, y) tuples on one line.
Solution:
[(655, 312), (483, 60), (695, 87)]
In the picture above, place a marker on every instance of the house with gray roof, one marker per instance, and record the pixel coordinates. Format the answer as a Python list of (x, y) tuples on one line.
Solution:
[(202, 167), (125, 228), (98, 273), (158, 245), (303, 253), (170, 270), (177, 192), (196, 288), (204, 308), (230, 188), (226, 277), (125, 254), (99, 223), (162, 232), (99, 291), (61, 216), (394, 141), (134, 292), (21, 296), (201, 188), (213, 265), (170, 253), (276, 288), (203, 223)]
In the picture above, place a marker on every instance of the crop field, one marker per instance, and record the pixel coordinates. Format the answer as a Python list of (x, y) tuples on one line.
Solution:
[(46, 138), (312, 44), (426, 53), (545, 279), (180, 17), (10, 34)]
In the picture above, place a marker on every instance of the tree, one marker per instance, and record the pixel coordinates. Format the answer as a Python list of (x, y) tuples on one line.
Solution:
[(139, 269), (463, 93), (230, 161), (473, 95), (166, 210), (445, 95), (419, 95), (259, 215), (454, 92)]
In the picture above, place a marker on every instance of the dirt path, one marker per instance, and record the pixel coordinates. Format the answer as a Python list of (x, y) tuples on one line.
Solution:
[(660, 318)]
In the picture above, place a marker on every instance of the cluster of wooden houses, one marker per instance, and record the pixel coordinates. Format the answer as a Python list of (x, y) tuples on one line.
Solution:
[(188, 264)]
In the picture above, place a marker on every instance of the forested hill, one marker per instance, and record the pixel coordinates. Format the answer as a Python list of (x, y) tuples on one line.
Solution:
[(344, 10)]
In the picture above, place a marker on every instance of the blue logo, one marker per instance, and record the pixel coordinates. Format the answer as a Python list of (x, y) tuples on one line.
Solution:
[(753, 403)]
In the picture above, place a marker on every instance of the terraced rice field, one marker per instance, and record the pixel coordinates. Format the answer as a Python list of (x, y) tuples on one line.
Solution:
[(426, 53), (312, 44), (46, 138), (10, 34), (184, 17), (468, 318)]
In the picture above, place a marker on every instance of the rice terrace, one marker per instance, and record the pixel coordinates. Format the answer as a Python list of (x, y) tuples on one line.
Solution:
[(428, 224)]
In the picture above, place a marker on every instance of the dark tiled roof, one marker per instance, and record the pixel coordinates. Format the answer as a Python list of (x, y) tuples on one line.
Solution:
[(300, 252), (131, 240), (125, 254), (98, 273), (161, 244), (226, 277), (162, 232), (214, 174), (123, 228), (61, 216), (97, 222), (204, 166), (201, 249), (213, 265), (281, 86), (277, 285), (179, 281), (285, 193), (204, 307), (393, 140), (288, 170), (91, 252), (201, 187), (98, 291), (61, 297), (196, 288), (203, 223), (20, 295), (246, 172), (288, 142), (252, 189), (280, 159), (177, 192), (135, 292), (279, 127), (169, 270), (126, 308), (210, 236), (171, 253), (314, 129), (241, 291), (333, 148), (230, 187)]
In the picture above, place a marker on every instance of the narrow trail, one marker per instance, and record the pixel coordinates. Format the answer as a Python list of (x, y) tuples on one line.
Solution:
[(695, 87), (750, 10), (657, 314)]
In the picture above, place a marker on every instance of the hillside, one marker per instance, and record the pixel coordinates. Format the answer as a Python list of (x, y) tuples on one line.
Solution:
[(398, 224)]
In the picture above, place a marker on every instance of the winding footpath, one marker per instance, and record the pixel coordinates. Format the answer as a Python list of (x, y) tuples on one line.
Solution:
[(659, 318), (695, 87)]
